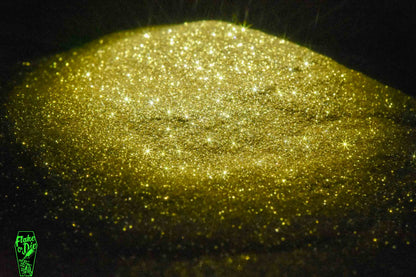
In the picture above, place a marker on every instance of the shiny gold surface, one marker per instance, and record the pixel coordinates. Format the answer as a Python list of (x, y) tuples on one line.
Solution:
[(210, 136)]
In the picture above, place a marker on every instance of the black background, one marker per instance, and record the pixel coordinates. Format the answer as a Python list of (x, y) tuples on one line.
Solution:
[(373, 37)]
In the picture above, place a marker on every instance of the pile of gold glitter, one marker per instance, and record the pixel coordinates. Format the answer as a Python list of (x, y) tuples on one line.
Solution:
[(209, 137)]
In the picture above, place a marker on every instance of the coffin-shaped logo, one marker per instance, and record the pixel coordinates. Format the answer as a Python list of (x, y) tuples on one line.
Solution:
[(26, 247)]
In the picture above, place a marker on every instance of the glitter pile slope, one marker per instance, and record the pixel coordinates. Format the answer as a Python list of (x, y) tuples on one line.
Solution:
[(207, 137)]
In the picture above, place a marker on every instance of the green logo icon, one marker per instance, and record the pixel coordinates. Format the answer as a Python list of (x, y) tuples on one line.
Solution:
[(26, 247)]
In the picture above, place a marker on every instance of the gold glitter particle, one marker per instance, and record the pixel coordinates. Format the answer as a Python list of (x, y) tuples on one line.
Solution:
[(188, 131)]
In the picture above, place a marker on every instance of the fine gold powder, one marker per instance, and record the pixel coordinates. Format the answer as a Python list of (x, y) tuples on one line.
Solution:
[(212, 137)]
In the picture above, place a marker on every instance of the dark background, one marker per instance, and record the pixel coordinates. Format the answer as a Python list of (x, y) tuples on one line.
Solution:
[(373, 37)]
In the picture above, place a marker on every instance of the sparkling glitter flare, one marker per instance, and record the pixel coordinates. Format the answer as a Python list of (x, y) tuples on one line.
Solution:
[(211, 136)]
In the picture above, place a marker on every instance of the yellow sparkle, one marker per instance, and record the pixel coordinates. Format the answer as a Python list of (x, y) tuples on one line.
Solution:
[(345, 144)]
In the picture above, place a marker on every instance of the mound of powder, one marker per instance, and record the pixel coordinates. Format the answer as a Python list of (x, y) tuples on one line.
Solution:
[(209, 140)]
